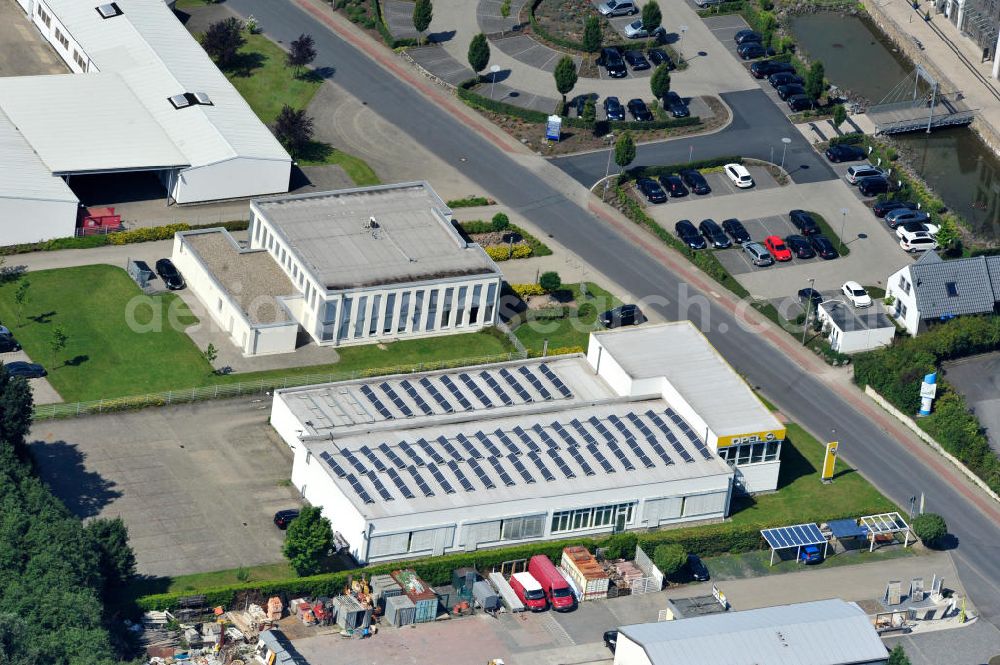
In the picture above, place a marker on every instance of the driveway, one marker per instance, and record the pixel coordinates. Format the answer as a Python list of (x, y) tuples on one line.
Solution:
[(197, 485), (23, 52), (978, 378), (41, 390)]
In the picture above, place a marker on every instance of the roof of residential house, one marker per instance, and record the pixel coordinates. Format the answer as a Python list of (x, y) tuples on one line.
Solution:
[(952, 288), (24, 175), (849, 318)]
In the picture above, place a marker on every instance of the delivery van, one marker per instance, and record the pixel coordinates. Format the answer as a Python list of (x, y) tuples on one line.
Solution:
[(529, 592), (554, 585)]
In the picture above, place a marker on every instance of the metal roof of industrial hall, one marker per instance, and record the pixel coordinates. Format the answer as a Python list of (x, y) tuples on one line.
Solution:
[(411, 240), (823, 632), (24, 175), (679, 352)]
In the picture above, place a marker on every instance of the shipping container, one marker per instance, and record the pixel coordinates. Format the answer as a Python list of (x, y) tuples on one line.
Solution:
[(350, 614), (382, 587), (399, 611), (424, 599), (587, 574)]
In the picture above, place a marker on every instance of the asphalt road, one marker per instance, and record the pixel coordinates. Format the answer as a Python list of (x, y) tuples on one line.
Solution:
[(758, 127), (802, 396)]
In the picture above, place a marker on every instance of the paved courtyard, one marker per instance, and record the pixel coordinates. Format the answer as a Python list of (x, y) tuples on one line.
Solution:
[(978, 378)]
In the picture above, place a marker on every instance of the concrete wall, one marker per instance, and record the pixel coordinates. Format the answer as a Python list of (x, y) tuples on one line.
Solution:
[(761, 477), (32, 220), (628, 652), (607, 367), (236, 178)]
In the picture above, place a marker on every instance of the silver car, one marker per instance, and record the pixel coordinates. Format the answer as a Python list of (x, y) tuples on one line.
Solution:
[(758, 254), (618, 8), (901, 216)]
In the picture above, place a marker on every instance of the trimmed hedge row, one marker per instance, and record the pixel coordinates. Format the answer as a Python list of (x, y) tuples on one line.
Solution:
[(506, 253), (144, 234), (723, 8)]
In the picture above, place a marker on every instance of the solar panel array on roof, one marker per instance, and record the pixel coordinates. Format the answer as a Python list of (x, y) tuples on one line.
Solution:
[(450, 449), (463, 401), (505, 440), (525, 439), (439, 477), (654, 443), (502, 472), (382, 409), (516, 385), (574, 452), (411, 453), (462, 480), (394, 397), (421, 483), (469, 448), (379, 487), (483, 478), (375, 460), (784, 537), (686, 429), (491, 381), (611, 441), (436, 395), (400, 485), (353, 461), (476, 390), (359, 489), (544, 470), (555, 380), (629, 438), (544, 436), (535, 383), (431, 452), (391, 454), (520, 468), (491, 447), (333, 464), (561, 463), (418, 399)]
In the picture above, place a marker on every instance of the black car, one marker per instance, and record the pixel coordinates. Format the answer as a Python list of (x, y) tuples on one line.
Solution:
[(27, 370), (799, 102), (580, 103), (697, 569), (765, 68), (651, 190), (626, 315), (696, 181), (744, 36), (783, 78), (613, 109), (807, 295), (612, 62), (674, 185), (639, 110), (845, 153), (873, 186), (283, 518), (736, 230), (658, 56), (636, 60), (8, 344), (676, 105), (882, 208), (804, 222), (611, 639), (750, 50), (800, 247), (790, 90), (168, 272), (714, 234), (689, 235), (824, 248)]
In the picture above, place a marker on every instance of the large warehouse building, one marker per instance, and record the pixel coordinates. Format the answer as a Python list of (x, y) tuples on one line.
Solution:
[(144, 96), (447, 461)]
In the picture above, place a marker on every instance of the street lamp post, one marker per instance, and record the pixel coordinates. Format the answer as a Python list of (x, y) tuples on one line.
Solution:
[(843, 226), (607, 170), (680, 43), (784, 147), (809, 302), (493, 78)]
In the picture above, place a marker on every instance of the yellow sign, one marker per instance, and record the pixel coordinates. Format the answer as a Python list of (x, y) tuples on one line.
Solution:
[(751, 437), (829, 461)]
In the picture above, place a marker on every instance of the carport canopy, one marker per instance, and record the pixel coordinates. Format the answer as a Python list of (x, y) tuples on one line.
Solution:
[(798, 536), (842, 529), (885, 524)]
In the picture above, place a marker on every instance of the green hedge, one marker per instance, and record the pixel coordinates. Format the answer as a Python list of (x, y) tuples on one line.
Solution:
[(538, 248), (633, 125), (854, 138), (656, 171), (723, 8), (469, 202), (141, 234)]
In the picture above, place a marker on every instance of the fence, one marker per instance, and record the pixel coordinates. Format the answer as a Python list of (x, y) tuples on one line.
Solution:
[(241, 388), (653, 581)]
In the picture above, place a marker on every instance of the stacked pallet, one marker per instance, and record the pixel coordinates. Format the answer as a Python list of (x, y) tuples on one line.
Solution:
[(587, 574)]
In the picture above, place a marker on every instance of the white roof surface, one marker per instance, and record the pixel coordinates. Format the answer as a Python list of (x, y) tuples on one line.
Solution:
[(528, 581), (22, 173), (823, 632)]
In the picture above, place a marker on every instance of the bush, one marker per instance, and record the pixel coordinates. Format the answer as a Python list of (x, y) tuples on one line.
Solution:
[(469, 202), (550, 281), (501, 222), (146, 234), (669, 558), (621, 545), (538, 248), (525, 290), (930, 528), (507, 252)]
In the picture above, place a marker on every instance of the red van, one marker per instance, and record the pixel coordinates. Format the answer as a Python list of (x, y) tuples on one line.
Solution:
[(529, 592), (553, 583)]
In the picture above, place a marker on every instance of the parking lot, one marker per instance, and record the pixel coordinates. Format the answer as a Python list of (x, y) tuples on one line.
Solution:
[(722, 186)]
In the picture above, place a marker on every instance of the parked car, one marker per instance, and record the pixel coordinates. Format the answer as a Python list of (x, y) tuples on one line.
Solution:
[(905, 215), (845, 153), (651, 190), (824, 248), (611, 639), (555, 586), (707, 3), (695, 181), (758, 253), (750, 51), (765, 68), (800, 247), (697, 569), (626, 315), (8, 344), (736, 230), (810, 554), (856, 294), (799, 103), (529, 591), (856, 173), (580, 103), (714, 234), (612, 62), (783, 78), (744, 36), (27, 370), (882, 208), (618, 8), (810, 295), (283, 518), (869, 187), (913, 227), (613, 109), (739, 175), (915, 241), (634, 30), (636, 60), (674, 185), (778, 249), (676, 105), (658, 56), (638, 109), (170, 275), (804, 222), (689, 235), (790, 90)]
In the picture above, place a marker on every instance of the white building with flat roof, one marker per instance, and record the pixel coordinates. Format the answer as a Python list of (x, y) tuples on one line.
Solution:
[(435, 462)]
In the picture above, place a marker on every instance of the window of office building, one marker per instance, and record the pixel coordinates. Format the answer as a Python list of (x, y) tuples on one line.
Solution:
[(460, 307), (404, 311), (432, 310), (751, 453), (477, 292), (519, 528), (418, 309), (491, 297), (345, 317), (373, 324), (329, 321), (390, 311), (446, 308), (359, 323), (589, 518)]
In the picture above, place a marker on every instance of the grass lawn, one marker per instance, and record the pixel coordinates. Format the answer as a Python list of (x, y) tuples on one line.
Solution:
[(757, 564), (320, 154), (573, 330), (267, 83)]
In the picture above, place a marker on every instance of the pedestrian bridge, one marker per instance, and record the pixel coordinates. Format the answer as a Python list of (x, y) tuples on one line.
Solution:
[(917, 103)]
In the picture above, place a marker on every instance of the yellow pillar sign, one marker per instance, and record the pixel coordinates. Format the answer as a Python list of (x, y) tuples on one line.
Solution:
[(829, 461)]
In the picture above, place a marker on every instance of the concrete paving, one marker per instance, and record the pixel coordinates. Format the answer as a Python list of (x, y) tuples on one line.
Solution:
[(41, 390), (197, 485), (23, 52), (399, 15), (491, 21), (978, 378)]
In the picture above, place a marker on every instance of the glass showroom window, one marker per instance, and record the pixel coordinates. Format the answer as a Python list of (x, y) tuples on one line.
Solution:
[(587, 518)]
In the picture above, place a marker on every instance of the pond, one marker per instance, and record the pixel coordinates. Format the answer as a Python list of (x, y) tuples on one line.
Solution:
[(955, 162)]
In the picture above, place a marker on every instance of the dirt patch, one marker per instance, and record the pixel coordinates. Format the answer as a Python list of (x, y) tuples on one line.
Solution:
[(497, 238), (565, 19)]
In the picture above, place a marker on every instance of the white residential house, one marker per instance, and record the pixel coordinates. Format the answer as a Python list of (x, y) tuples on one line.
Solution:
[(853, 330)]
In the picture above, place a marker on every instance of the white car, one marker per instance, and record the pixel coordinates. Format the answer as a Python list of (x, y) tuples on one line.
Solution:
[(917, 226), (856, 294), (915, 241), (739, 175), (634, 30)]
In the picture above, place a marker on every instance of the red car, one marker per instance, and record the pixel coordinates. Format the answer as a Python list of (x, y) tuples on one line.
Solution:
[(779, 250)]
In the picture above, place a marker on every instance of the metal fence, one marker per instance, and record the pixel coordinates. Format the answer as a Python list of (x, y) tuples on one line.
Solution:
[(241, 388)]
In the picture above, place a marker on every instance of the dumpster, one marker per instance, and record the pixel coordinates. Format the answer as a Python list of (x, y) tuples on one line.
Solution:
[(399, 611), (382, 587), (349, 613), (424, 599)]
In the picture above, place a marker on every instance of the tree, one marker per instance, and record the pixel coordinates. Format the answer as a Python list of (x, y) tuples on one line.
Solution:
[(57, 342), (592, 36), (839, 115), (211, 354), (620, 545), (669, 558), (897, 656), (223, 40), (814, 80), (500, 222), (624, 151), (16, 410), (590, 110), (659, 82), (301, 52), (479, 53), (21, 299), (116, 558), (423, 13), (652, 17), (505, 8), (294, 129), (930, 528), (307, 540), (565, 75), (550, 281)]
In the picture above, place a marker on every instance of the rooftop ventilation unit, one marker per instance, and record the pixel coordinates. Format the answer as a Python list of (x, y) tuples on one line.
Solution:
[(202, 98), (180, 101), (109, 10), (187, 99)]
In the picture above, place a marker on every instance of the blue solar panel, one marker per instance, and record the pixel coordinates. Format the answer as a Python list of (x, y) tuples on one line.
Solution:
[(430, 451), (505, 440), (376, 402), (378, 463), (555, 380), (436, 394), (462, 399), (495, 387), (793, 536), (491, 447), (533, 380), (333, 464), (391, 454), (416, 397)]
